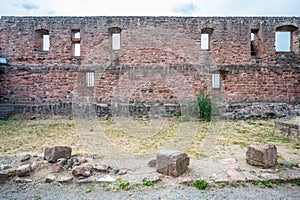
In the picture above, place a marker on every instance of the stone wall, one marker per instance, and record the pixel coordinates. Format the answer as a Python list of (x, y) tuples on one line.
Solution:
[(160, 62)]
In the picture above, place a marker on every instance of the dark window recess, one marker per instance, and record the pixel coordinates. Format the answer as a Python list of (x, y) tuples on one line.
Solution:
[(254, 42)]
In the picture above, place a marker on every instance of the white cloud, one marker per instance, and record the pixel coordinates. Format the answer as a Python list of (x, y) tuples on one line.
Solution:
[(150, 8)]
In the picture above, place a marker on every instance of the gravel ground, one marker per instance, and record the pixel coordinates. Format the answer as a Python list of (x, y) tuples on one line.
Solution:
[(57, 191)]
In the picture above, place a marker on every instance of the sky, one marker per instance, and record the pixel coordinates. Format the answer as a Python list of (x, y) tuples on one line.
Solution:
[(150, 8)]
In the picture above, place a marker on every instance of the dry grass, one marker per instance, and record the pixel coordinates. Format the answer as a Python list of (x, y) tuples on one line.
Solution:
[(19, 136)]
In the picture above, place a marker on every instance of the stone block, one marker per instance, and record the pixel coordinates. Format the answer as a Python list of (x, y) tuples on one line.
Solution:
[(262, 155), (172, 162), (23, 170), (3, 176), (84, 170), (52, 154)]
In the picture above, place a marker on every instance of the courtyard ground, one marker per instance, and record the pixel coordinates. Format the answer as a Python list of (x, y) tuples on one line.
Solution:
[(217, 150)]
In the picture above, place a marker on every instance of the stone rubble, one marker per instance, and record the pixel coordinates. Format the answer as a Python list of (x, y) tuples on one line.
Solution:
[(52, 154), (23, 170), (84, 170)]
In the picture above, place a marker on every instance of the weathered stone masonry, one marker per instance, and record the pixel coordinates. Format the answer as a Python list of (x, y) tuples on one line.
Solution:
[(160, 61)]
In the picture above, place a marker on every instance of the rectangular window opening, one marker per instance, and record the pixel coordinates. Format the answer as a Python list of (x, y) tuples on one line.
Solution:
[(46, 42), (283, 41), (76, 49), (254, 42), (76, 34), (216, 81), (204, 41), (90, 77), (116, 41)]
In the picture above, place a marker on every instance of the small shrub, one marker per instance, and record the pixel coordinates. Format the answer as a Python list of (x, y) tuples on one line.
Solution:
[(200, 184), (204, 106)]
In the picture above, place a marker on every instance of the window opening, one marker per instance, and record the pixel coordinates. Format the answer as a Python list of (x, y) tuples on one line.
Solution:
[(46, 42), (115, 37), (116, 41), (90, 77), (204, 41), (283, 41), (254, 42), (76, 49), (284, 38), (75, 42), (42, 42), (215, 81)]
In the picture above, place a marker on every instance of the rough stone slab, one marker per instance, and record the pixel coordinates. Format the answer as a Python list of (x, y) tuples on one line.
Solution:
[(172, 162), (22, 180), (65, 179), (23, 170), (261, 155), (3, 176), (52, 154)]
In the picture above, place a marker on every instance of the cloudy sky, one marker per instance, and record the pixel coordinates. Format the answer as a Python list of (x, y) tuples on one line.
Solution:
[(150, 7)]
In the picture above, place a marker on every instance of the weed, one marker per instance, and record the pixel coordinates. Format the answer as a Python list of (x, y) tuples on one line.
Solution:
[(222, 185), (204, 105), (285, 140), (123, 186), (267, 183), (297, 146), (263, 183), (255, 182), (146, 182), (200, 184), (277, 183), (88, 190), (297, 182), (137, 185), (106, 187)]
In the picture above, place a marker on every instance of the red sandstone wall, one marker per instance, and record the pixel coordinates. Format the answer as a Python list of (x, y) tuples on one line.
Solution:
[(40, 87), (148, 41)]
